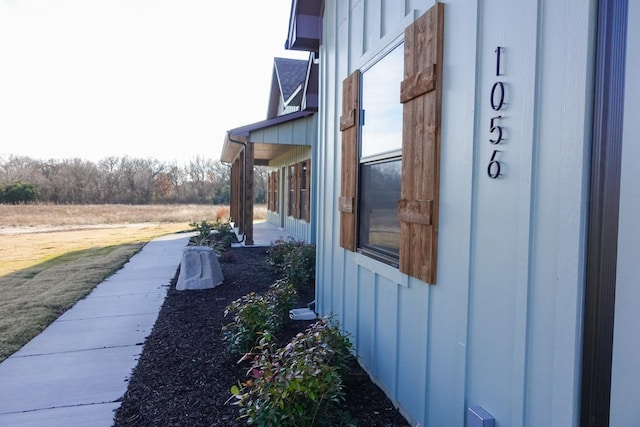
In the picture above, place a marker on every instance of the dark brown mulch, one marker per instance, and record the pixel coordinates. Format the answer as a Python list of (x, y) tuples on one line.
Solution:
[(185, 371)]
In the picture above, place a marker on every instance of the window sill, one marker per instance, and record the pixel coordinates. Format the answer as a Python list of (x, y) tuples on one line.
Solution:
[(383, 269)]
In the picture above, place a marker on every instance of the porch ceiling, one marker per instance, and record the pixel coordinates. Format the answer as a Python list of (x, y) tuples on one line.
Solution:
[(263, 151)]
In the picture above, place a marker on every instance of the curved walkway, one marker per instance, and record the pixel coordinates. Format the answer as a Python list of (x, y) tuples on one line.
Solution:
[(76, 370)]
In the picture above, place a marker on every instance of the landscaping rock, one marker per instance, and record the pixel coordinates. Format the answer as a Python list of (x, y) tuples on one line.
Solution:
[(199, 269)]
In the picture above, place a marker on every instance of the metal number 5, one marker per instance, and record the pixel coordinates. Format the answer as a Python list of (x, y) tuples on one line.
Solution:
[(495, 128)]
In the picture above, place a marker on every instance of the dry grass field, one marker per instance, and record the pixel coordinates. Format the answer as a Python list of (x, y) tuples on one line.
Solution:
[(53, 255)]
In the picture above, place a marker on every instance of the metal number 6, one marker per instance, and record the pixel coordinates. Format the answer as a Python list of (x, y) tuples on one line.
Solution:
[(494, 167)]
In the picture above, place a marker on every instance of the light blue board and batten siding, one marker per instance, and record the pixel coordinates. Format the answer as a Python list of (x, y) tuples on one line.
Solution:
[(298, 228), (528, 228), (302, 131), (501, 327)]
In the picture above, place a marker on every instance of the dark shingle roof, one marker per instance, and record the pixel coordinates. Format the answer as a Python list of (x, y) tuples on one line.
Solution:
[(291, 73)]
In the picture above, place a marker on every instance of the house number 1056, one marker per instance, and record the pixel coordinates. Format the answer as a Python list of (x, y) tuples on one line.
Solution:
[(494, 168)]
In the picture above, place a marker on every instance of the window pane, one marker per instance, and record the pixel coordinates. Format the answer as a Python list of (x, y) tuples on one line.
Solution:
[(379, 227), (382, 127)]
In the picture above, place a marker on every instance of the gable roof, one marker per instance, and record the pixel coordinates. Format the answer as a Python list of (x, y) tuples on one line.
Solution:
[(291, 74), (294, 86)]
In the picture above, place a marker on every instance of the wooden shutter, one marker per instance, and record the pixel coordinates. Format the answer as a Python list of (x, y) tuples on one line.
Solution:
[(349, 127), (421, 94), (307, 194), (276, 191), (270, 192), (296, 190)]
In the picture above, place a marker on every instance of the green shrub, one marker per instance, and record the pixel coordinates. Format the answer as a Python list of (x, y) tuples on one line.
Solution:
[(299, 384), (278, 253), (295, 259), (217, 235), (302, 265), (204, 231), (283, 298), (222, 237), (254, 314)]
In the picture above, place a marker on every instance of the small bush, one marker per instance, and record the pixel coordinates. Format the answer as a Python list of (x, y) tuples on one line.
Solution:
[(283, 297), (253, 314), (279, 252), (302, 265), (300, 384), (218, 235), (222, 237), (204, 231), (295, 259)]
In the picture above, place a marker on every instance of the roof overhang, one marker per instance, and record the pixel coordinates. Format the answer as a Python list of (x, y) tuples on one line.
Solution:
[(305, 25), (271, 138)]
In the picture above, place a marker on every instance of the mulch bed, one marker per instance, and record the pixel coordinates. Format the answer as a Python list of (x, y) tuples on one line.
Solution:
[(185, 371)]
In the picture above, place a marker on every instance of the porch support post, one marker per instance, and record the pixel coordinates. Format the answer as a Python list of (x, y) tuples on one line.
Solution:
[(248, 214), (240, 198)]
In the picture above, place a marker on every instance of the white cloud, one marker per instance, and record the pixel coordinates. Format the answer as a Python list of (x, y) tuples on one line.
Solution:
[(145, 78)]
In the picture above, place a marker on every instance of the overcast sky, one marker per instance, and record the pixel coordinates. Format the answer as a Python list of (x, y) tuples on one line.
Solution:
[(145, 78)]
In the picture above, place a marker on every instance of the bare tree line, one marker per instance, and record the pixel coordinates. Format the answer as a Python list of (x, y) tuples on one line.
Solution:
[(125, 180)]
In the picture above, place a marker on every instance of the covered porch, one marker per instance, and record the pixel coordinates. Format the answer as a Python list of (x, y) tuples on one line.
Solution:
[(259, 144)]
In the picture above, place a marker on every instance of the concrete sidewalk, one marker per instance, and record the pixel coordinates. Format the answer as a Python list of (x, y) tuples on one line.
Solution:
[(75, 370)]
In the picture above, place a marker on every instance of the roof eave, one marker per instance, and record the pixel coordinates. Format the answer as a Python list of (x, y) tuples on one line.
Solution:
[(305, 25)]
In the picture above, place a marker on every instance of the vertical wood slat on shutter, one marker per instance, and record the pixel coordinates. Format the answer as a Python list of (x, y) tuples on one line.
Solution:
[(421, 94), (349, 125)]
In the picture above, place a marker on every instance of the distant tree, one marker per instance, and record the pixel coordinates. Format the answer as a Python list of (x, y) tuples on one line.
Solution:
[(109, 173), (163, 185), (18, 192), (222, 195), (122, 180), (260, 182)]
